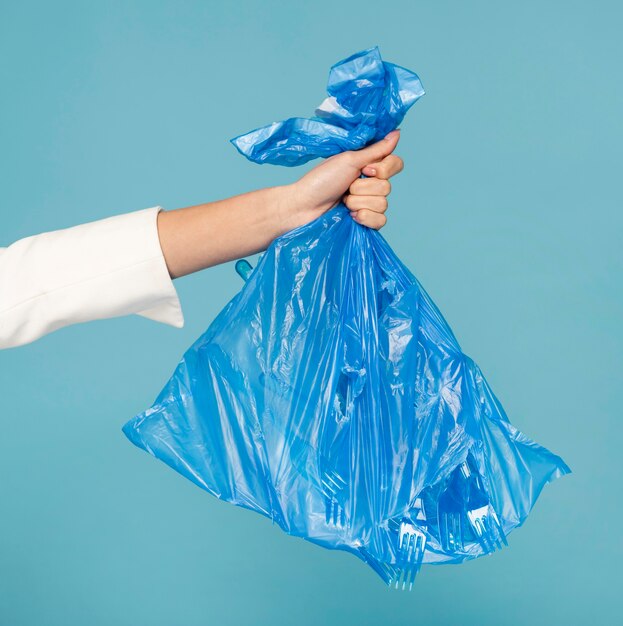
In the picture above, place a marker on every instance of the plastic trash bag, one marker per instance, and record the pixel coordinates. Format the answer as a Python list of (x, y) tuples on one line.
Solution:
[(331, 396)]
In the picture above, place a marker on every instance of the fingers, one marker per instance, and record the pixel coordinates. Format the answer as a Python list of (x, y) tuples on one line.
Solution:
[(367, 210), (376, 204), (377, 151), (388, 167), (369, 218), (367, 197), (367, 201), (370, 187)]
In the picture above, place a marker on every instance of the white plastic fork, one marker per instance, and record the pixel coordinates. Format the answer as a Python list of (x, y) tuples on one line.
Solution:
[(483, 519), (450, 514), (487, 528), (451, 530), (412, 542)]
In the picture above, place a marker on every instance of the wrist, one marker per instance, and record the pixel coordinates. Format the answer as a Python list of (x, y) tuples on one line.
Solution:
[(294, 208)]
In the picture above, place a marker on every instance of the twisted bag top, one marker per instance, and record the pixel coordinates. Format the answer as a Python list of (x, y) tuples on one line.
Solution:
[(368, 98), (330, 394)]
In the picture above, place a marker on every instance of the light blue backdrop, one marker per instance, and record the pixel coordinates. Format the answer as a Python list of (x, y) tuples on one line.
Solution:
[(509, 212)]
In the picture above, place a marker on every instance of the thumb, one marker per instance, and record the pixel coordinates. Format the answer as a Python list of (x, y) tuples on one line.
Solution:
[(377, 151)]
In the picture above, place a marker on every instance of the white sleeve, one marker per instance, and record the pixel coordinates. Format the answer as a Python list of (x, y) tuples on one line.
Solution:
[(102, 269)]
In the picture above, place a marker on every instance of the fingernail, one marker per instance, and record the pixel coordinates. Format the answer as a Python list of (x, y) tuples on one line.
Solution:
[(372, 171)]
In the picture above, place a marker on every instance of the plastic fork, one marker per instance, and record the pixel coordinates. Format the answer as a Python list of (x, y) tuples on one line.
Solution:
[(451, 511), (451, 531), (480, 513), (487, 528), (333, 484), (330, 484), (412, 543), (464, 504), (411, 540)]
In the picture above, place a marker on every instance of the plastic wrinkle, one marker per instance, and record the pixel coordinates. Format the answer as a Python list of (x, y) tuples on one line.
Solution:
[(330, 394)]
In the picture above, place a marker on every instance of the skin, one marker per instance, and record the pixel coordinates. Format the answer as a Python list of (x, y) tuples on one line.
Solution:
[(204, 235)]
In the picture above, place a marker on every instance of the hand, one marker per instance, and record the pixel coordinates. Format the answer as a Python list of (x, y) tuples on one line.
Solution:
[(337, 179), (207, 234)]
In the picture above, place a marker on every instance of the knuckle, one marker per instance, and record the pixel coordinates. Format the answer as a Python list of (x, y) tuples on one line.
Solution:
[(382, 171), (356, 186), (363, 216), (386, 187)]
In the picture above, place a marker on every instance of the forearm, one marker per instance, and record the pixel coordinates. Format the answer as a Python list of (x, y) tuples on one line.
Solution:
[(204, 235)]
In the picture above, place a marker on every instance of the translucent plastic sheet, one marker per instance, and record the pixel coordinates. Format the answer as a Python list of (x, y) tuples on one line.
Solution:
[(331, 396)]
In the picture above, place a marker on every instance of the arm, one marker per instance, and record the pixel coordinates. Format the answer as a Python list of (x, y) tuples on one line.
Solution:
[(123, 265), (102, 269), (208, 234)]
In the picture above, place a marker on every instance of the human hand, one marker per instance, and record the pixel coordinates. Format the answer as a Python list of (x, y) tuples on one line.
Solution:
[(337, 178), (250, 222)]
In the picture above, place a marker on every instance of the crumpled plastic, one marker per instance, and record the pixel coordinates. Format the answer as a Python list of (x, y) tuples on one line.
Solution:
[(331, 396), (367, 99)]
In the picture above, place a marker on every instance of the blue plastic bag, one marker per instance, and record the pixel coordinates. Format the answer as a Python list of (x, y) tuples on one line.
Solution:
[(330, 394)]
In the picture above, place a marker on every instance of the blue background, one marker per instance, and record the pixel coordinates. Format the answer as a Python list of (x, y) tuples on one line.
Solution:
[(509, 212)]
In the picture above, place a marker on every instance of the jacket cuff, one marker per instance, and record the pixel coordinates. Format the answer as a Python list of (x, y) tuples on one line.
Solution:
[(154, 276)]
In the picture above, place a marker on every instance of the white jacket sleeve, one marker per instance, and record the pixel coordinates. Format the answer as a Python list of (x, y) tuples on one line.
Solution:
[(102, 269)]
